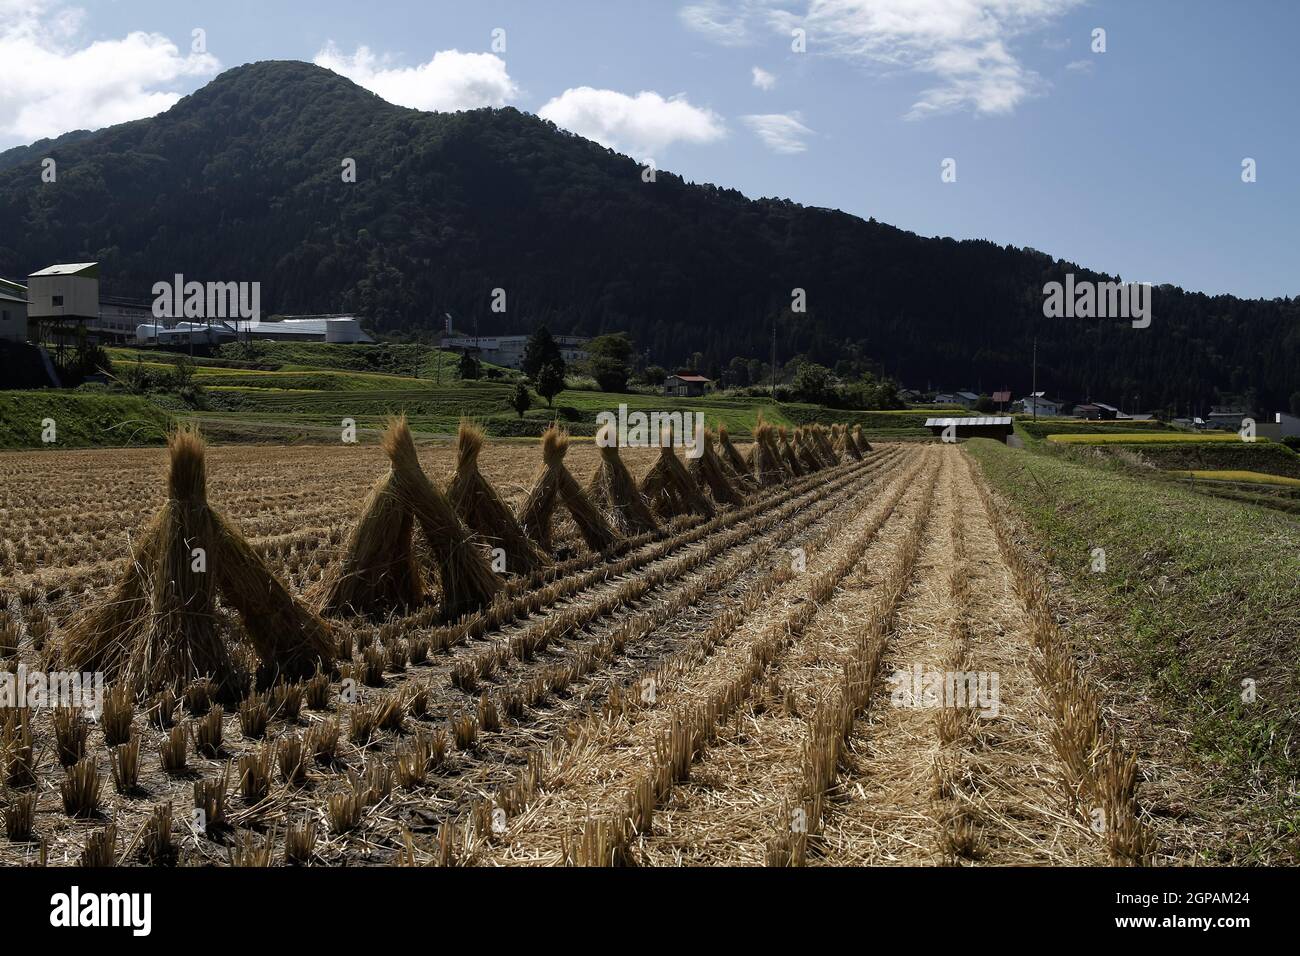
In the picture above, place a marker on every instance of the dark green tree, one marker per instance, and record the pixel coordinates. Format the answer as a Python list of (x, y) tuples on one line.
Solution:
[(520, 400), (541, 351), (654, 375), (468, 367), (814, 383), (611, 361), (550, 381)]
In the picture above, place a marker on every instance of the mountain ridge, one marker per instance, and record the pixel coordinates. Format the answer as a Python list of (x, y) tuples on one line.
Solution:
[(241, 180)]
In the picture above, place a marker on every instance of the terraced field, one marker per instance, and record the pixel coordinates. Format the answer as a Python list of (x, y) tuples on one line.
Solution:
[(735, 689)]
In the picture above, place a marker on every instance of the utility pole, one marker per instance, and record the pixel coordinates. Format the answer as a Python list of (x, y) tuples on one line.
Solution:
[(774, 358), (1033, 390)]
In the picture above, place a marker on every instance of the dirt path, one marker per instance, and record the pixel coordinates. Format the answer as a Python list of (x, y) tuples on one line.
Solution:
[(739, 760), (930, 785)]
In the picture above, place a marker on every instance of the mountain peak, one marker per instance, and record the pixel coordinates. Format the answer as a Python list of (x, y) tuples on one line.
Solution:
[(244, 180)]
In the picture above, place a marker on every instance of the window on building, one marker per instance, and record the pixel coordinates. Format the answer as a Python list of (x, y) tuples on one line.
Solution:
[(56, 300), (4, 315)]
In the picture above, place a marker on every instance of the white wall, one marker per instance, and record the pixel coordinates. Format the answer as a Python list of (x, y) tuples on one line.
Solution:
[(80, 297), (13, 321)]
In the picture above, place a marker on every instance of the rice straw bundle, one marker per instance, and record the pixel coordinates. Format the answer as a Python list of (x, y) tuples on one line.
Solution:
[(823, 446), (864, 446), (732, 458), (555, 485), (804, 449), (379, 571), (709, 472), (613, 488), (844, 443), (482, 509), (161, 630), (466, 578), (669, 487), (787, 453), (767, 460)]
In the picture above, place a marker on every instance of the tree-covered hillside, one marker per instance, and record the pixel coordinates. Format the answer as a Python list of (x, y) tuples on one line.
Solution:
[(242, 181)]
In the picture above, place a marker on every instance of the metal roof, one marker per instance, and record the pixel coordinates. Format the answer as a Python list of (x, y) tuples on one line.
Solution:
[(968, 422), (69, 269)]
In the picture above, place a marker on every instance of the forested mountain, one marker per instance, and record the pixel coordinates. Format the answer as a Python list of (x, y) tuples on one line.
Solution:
[(242, 181)]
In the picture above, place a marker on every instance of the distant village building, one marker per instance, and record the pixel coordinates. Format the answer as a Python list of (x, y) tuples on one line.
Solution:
[(1227, 417), (686, 384), (964, 399), (1096, 411), (13, 312), (508, 350), (998, 427), (1039, 404), (1282, 426)]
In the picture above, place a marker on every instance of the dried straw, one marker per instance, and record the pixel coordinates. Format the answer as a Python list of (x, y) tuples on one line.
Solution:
[(807, 454), (669, 487), (160, 629), (767, 458), (483, 509), (787, 453), (732, 458), (467, 581), (614, 489), (709, 473), (555, 485)]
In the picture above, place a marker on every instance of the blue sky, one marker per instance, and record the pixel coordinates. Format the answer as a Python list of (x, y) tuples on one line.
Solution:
[(1129, 161)]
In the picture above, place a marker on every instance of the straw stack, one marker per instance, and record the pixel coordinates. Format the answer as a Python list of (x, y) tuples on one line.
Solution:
[(614, 489), (482, 509), (669, 487), (160, 629), (555, 486)]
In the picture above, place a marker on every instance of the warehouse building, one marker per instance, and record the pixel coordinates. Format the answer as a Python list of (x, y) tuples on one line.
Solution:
[(508, 350), (13, 312), (997, 427)]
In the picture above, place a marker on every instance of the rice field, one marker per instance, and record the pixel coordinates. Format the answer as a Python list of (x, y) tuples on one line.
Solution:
[(492, 654), (1248, 477), (1148, 438)]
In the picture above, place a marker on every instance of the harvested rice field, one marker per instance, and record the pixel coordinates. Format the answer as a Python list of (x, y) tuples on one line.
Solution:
[(802, 652)]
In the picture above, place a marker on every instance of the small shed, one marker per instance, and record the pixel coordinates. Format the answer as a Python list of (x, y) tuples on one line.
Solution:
[(686, 384), (998, 427)]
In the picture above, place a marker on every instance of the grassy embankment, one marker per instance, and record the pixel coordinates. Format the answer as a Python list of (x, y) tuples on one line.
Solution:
[(1201, 595), (81, 419), (291, 392)]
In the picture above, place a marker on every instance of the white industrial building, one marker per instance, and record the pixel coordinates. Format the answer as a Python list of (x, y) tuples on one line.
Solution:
[(338, 329), (64, 304), (341, 329), (508, 350), (202, 333), (13, 312)]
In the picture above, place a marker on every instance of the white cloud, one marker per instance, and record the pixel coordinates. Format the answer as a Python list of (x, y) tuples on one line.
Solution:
[(1080, 66), (780, 132), (643, 124), (763, 79), (52, 79), (450, 81), (721, 21), (964, 45)]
